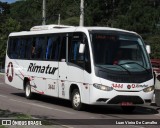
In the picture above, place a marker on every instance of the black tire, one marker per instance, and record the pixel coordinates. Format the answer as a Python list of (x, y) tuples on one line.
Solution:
[(128, 109), (76, 100), (28, 92)]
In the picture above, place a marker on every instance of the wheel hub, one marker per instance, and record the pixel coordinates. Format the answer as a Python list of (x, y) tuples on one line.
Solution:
[(28, 90), (76, 99)]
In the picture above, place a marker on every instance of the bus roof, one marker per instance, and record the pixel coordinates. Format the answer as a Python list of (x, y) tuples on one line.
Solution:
[(48, 29)]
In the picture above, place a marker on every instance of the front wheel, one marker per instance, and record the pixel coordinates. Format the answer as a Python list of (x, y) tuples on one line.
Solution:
[(28, 92), (76, 100)]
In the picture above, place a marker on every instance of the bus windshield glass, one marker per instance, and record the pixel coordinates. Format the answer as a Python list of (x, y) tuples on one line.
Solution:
[(119, 52)]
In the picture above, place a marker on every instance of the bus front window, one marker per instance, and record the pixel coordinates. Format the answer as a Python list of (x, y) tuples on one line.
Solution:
[(119, 52)]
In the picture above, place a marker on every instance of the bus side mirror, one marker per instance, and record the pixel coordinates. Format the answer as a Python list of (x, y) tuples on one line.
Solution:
[(81, 48), (148, 48)]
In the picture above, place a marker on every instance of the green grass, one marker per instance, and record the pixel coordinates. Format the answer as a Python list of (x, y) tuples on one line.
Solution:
[(14, 115), (23, 116), (2, 126), (9, 114)]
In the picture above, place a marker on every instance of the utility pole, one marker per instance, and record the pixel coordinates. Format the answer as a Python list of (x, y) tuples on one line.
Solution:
[(44, 13), (59, 19), (81, 22)]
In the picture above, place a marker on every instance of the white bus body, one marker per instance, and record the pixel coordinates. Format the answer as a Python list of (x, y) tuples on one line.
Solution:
[(50, 62)]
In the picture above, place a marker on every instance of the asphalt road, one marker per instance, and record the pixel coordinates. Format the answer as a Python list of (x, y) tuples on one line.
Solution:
[(43, 107)]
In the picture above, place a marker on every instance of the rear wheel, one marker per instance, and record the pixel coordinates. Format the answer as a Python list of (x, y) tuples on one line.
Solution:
[(128, 109), (76, 100), (28, 92)]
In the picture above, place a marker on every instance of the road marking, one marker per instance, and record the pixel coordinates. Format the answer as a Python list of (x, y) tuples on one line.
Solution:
[(46, 108), (67, 126), (93, 117), (42, 106), (3, 96)]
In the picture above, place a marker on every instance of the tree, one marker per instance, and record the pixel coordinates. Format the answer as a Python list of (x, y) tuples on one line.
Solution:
[(138, 16), (141, 16), (10, 25), (154, 42)]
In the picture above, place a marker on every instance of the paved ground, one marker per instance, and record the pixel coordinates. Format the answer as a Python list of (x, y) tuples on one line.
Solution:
[(43, 107)]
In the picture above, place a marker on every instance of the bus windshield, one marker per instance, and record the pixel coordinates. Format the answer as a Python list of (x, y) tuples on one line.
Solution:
[(120, 52)]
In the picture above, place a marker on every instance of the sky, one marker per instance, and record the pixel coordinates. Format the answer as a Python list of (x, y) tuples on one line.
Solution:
[(9, 1)]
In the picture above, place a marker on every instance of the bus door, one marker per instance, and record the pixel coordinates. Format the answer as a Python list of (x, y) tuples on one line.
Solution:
[(77, 64), (63, 69)]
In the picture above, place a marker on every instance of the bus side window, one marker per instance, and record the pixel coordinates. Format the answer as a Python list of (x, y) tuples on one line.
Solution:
[(38, 48), (33, 48), (76, 57), (28, 48), (63, 49), (75, 51), (10, 48), (87, 56), (43, 48), (52, 49), (17, 48), (49, 48), (13, 48), (22, 48)]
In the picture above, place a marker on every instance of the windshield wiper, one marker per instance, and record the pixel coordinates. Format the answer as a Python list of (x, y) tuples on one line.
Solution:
[(109, 68), (115, 67), (124, 68), (137, 64)]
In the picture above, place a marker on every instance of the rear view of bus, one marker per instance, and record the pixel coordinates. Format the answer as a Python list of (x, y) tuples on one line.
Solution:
[(123, 74)]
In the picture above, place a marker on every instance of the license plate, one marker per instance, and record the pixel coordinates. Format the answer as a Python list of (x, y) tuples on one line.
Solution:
[(126, 104)]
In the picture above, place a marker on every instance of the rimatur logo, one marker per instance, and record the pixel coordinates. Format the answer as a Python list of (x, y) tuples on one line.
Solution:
[(10, 72)]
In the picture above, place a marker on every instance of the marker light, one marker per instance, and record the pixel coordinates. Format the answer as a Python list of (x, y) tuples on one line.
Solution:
[(103, 87)]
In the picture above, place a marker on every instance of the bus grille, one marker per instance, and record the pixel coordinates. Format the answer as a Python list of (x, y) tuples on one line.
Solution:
[(119, 99)]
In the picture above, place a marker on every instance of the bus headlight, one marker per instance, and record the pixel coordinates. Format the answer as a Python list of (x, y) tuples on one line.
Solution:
[(149, 89), (103, 87)]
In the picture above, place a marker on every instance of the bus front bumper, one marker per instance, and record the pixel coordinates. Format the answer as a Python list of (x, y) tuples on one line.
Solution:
[(99, 97)]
